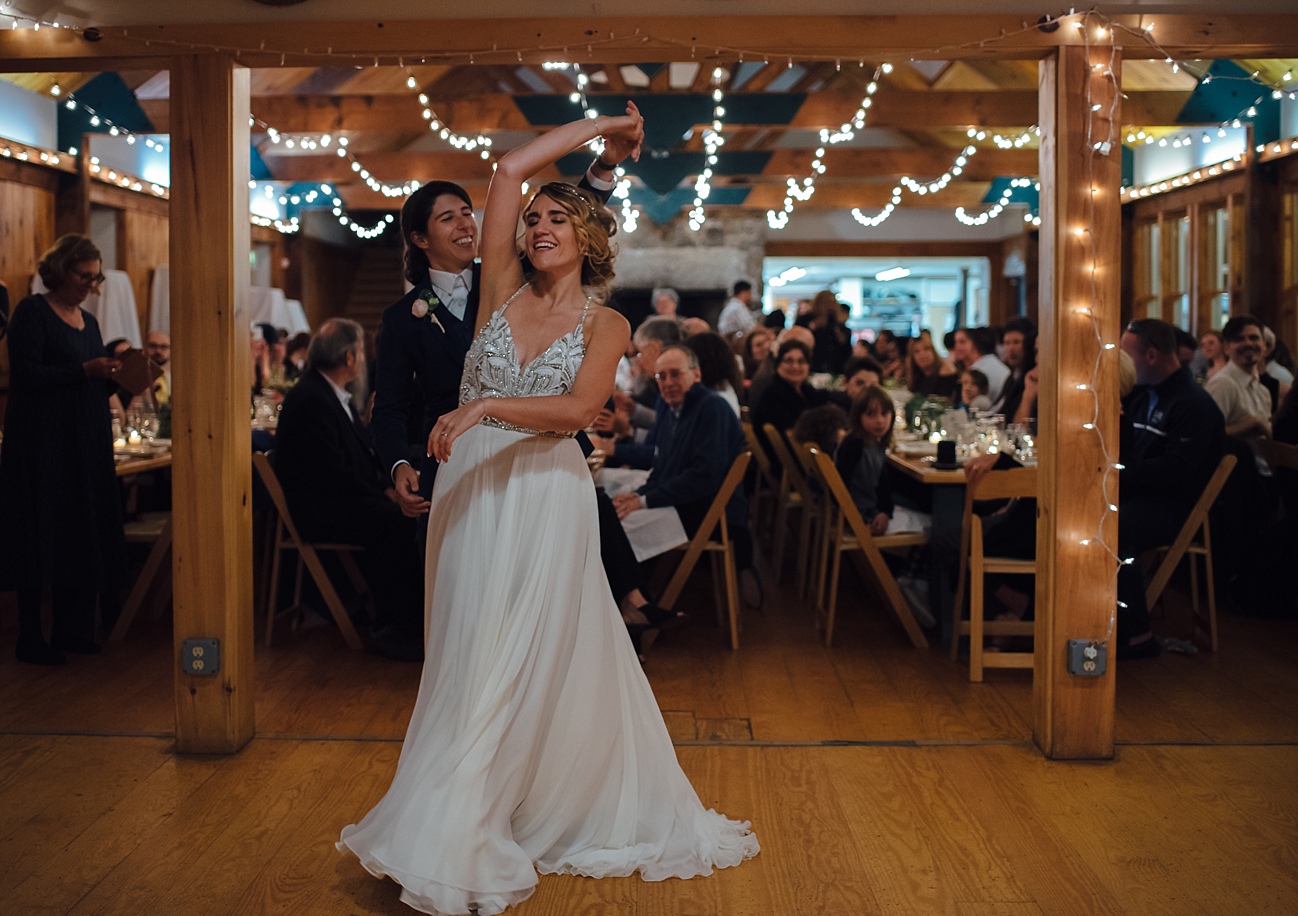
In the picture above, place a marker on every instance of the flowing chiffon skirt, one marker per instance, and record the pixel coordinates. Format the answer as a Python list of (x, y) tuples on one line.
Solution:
[(536, 742)]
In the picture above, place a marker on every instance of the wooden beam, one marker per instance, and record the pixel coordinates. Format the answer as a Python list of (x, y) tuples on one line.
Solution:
[(394, 168), (630, 39), (1076, 583), (491, 112), (212, 474), (845, 249)]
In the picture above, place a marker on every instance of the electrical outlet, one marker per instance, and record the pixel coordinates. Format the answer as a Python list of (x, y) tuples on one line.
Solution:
[(200, 656), (1087, 657)]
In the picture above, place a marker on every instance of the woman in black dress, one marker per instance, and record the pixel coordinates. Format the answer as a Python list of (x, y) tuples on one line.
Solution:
[(58, 490), (789, 394)]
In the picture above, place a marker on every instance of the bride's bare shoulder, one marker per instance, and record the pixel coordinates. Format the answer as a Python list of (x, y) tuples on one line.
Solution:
[(603, 320)]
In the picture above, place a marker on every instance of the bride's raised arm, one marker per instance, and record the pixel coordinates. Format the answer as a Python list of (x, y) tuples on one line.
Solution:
[(501, 270)]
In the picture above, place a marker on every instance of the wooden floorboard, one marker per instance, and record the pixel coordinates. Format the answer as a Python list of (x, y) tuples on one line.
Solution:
[(878, 778)]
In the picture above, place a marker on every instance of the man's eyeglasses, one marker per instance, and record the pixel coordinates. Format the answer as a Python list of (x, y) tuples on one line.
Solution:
[(87, 277)]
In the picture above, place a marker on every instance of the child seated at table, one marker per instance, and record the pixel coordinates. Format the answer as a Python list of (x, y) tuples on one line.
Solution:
[(973, 390), (862, 462)]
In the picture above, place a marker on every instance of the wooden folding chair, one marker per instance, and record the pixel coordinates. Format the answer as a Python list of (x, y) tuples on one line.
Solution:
[(1015, 483), (149, 528), (287, 538), (846, 531), (1186, 543), (796, 494), (766, 488), (724, 575)]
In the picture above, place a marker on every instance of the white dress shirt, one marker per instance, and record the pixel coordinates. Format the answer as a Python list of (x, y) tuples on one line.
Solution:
[(444, 285)]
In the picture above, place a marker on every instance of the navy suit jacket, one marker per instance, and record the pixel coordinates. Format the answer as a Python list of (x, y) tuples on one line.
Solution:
[(416, 351)]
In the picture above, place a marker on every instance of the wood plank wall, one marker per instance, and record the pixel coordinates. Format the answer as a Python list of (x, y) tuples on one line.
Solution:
[(27, 197)]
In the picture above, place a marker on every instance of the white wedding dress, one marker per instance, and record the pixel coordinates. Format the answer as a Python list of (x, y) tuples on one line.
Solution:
[(536, 743)]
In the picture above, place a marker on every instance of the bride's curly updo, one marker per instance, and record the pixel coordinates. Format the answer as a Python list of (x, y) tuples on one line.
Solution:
[(593, 225)]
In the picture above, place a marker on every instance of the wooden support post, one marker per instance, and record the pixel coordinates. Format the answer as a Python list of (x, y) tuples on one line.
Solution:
[(212, 472), (1080, 278)]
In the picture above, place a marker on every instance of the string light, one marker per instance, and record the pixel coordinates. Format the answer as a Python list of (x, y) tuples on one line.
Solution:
[(713, 140), (987, 216)]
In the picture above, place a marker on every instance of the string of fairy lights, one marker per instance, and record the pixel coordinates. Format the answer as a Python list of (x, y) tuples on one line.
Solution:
[(797, 190)]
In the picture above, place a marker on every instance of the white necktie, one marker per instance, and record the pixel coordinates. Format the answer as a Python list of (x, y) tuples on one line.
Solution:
[(459, 298)]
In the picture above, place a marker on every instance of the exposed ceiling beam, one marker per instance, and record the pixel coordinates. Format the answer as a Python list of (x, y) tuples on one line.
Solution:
[(875, 196), (888, 164), (485, 113), (643, 39)]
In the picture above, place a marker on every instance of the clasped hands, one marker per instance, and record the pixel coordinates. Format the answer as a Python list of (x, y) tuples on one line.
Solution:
[(623, 135), (626, 503)]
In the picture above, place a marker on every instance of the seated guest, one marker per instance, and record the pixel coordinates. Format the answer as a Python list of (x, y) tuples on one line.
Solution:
[(665, 301), (789, 394), (775, 320), (699, 438), (650, 338), (1271, 365), (975, 348), (862, 462), (824, 427), (1186, 347), (923, 372), (157, 347), (767, 371), (121, 398), (973, 390), (860, 374), (718, 367), (295, 356), (338, 491), (756, 351), (887, 352), (832, 344), (1177, 440), (692, 326), (1239, 392), (1019, 349), (1211, 357)]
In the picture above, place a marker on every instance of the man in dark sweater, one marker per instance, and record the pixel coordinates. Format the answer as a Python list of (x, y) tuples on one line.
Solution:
[(697, 438), (1177, 439)]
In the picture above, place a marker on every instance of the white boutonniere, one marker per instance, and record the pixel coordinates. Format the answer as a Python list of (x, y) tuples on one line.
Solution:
[(423, 307)]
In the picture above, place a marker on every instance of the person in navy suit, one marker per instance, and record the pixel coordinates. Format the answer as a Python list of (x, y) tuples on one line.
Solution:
[(426, 333), (338, 491)]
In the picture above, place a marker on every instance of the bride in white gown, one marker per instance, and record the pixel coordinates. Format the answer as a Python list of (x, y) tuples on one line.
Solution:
[(536, 743)]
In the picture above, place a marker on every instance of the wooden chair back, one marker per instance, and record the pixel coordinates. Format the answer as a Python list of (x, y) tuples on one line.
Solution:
[(714, 521), (287, 537), (1196, 525), (1279, 454), (846, 517)]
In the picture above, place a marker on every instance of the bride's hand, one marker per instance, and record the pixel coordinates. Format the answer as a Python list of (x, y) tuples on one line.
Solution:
[(450, 426), (622, 140)]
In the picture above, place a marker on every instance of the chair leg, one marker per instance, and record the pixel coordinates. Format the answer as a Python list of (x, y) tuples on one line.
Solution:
[(330, 595), (777, 551), (160, 551), (832, 606), (976, 614), (272, 587), (357, 580), (718, 588), (1211, 586), (732, 593)]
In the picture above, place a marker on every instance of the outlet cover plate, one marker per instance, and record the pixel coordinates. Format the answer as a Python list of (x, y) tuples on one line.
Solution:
[(201, 657)]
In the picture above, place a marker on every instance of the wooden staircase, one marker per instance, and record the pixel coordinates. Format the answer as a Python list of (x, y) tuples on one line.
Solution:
[(378, 285)]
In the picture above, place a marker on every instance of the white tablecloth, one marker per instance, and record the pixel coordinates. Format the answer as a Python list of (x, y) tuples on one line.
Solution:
[(113, 306), (160, 300), (267, 305)]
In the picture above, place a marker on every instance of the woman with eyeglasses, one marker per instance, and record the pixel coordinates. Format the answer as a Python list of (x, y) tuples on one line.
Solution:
[(789, 394), (58, 489)]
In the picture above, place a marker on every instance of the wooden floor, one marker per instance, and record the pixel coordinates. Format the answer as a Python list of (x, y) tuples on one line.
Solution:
[(878, 779)]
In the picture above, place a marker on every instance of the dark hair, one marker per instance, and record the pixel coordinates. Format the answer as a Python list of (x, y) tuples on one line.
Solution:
[(798, 345), (979, 379), (820, 427), (1233, 330), (300, 341), (983, 339), (667, 331), (329, 348), (775, 319), (861, 364), (742, 286), (876, 396), (1154, 333), (716, 360), (113, 344), (57, 263), (948, 340), (415, 214), (269, 333), (1023, 325)]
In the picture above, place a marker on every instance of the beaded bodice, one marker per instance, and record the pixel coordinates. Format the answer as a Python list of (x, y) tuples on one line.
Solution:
[(492, 368)]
